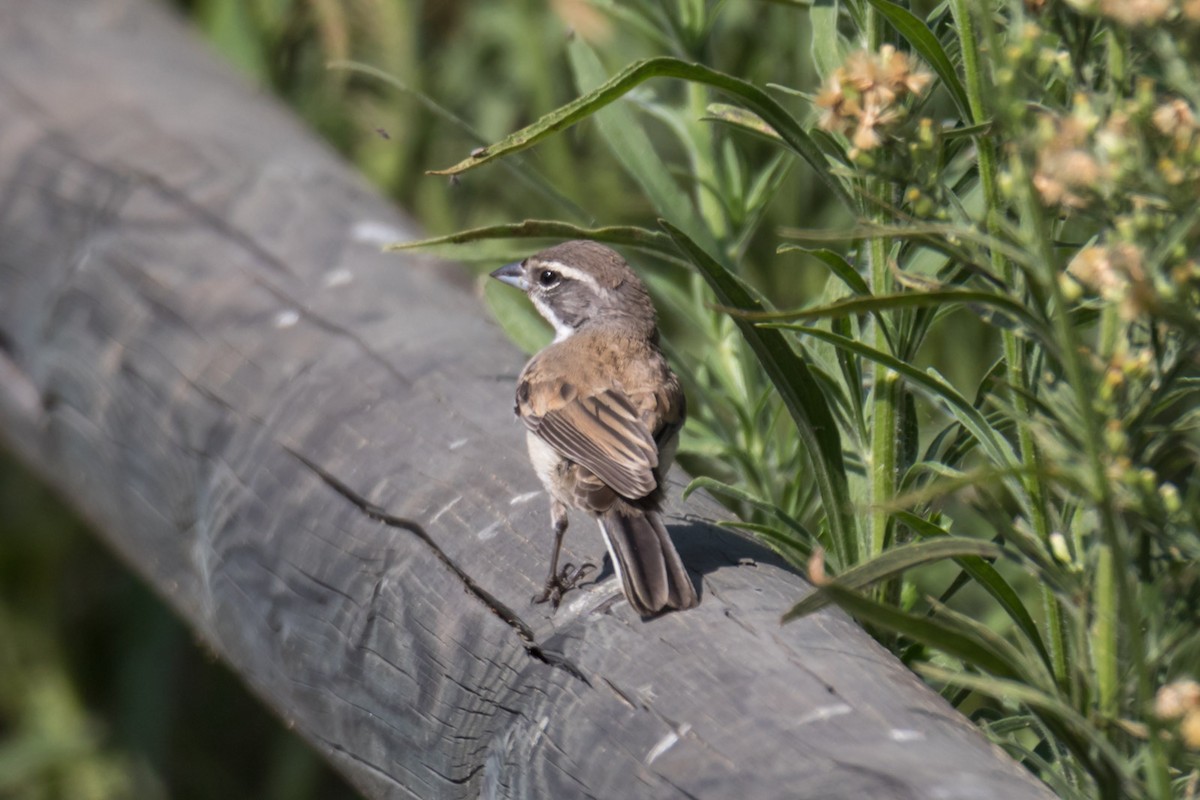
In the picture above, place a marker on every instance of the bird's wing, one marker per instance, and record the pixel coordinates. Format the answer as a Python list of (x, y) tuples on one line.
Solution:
[(602, 432)]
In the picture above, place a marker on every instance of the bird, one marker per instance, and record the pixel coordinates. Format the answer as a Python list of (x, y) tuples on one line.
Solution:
[(602, 411)]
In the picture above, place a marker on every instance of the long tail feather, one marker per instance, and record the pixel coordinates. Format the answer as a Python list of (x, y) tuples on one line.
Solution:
[(646, 561)]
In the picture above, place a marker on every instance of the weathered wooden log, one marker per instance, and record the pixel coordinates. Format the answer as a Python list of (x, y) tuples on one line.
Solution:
[(309, 449)]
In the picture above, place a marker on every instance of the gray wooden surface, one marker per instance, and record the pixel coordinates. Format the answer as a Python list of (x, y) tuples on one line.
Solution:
[(309, 449)]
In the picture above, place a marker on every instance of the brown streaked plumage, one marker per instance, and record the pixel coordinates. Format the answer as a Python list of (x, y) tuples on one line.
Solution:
[(603, 412)]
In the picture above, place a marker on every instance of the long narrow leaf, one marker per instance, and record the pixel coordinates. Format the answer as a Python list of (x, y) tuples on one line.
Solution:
[(968, 298), (1105, 656), (1031, 671), (663, 67), (742, 119), (839, 266), (793, 550), (894, 562), (551, 229), (826, 51), (733, 492), (932, 233)]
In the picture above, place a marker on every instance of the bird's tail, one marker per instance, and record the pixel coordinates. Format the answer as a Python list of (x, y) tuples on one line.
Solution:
[(645, 559)]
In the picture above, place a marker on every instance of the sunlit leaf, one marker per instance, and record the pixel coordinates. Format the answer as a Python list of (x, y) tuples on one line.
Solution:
[(634, 75), (550, 229), (891, 563)]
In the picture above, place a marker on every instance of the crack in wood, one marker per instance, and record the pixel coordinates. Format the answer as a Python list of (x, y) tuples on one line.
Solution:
[(489, 600)]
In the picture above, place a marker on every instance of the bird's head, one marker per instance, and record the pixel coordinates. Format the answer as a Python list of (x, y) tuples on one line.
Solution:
[(581, 283)]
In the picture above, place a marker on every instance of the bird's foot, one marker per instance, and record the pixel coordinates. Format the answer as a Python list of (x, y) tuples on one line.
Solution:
[(563, 582)]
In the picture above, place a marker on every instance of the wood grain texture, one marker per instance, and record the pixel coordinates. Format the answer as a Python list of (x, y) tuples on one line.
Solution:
[(309, 449)]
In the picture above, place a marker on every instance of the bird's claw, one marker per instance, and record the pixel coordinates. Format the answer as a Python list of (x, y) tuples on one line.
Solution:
[(563, 582)]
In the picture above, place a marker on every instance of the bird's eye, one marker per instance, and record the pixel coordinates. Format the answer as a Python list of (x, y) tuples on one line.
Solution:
[(548, 278)]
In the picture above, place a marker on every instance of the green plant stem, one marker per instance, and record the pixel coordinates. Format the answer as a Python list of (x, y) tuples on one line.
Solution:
[(1155, 765), (1110, 327), (1104, 635), (884, 399), (1014, 354), (885, 395)]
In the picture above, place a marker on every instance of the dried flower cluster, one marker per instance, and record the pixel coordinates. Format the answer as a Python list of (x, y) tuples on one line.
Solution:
[(1141, 153), (1067, 172), (1180, 700), (1115, 272), (864, 96)]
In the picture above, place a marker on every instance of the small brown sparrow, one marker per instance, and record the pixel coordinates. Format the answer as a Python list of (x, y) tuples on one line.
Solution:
[(603, 412)]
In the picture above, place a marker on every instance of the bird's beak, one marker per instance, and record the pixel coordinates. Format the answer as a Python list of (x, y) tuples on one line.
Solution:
[(513, 274)]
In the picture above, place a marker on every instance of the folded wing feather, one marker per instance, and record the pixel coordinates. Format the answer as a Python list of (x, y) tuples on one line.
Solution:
[(603, 433)]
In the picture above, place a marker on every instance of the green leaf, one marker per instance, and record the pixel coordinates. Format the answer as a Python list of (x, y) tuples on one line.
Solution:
[(742, 119), (966, 131), (894, 562), (799, 391), (640, 238), (1105, 656), (946, 235), (795, 551), (852, 378), (976, 301), (1032, 671), (917, 34), (767, 509), (634, 75)]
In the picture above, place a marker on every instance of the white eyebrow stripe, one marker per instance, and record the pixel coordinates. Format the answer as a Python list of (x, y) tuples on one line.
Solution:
[(571, 272)]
